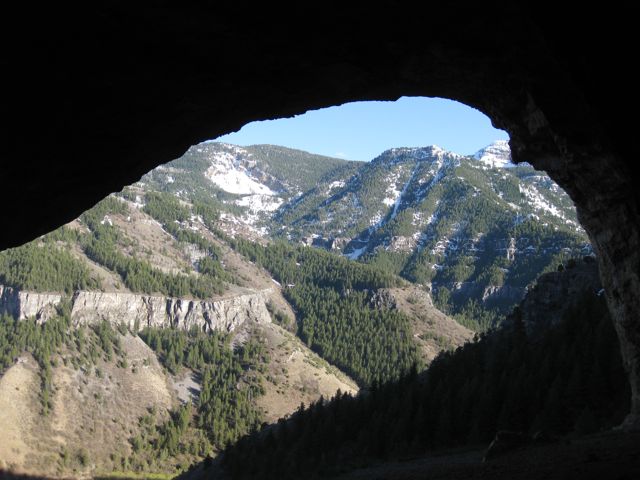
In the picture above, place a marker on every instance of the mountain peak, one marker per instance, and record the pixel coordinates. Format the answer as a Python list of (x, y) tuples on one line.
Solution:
[(497, 155)]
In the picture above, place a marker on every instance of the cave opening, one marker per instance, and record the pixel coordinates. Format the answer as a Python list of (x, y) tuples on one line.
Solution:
[(141, 100)]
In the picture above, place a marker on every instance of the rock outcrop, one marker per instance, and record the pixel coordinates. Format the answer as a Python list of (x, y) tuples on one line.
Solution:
[(554, 293), (383, 298), (20, 304), (502, 292), (488, 294), (138, 310)]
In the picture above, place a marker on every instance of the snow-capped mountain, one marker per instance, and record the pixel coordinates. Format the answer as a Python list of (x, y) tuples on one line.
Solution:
[(476, 231), (496, 155), (247, 184), (402, 179), (478, 228)]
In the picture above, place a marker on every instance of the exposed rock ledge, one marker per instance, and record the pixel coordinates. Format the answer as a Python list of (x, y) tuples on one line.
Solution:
[(24, 304), (138, 310)]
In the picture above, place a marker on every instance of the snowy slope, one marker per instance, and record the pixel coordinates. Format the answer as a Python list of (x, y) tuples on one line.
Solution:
[(479, 226), (496, 155), (228, 172)]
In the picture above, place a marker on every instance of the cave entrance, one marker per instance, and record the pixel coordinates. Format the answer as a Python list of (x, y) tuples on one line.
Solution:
[(141, 100)]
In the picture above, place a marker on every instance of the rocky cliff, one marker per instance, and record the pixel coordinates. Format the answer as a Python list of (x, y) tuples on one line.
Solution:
[(556, 292), (23, 304), (138, 310)]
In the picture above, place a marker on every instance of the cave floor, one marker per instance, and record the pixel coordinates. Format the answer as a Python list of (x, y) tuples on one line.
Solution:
[(611, 455)]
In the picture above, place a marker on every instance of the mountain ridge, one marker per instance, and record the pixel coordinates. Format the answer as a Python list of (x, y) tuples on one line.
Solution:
[(473, 233), (432, 216)]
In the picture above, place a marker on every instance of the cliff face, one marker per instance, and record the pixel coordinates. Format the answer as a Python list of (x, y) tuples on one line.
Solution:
[(138, 311), (489, 293), (554, 293), (23, 305)]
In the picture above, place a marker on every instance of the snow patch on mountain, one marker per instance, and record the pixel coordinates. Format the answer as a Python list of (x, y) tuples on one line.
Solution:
[(231, 176), (257, 206), (243, 226), (432, 218), (437, 170), (333, 185), (402, 193), (260, 203), (375, 220), (432, 152), (356, 253), (399, 155), (392, 192), (538, 201), (391, 200)]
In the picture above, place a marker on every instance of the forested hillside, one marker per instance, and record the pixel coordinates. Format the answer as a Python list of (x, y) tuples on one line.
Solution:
[(231, 381), (202, 391), (205, 390), (568, 380), (332, 297), (477, 234), (48, 264)]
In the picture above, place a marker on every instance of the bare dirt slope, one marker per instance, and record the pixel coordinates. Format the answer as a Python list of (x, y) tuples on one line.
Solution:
[(95, 411), (151, 242), (19, 411), (296, 375), (433, 330)]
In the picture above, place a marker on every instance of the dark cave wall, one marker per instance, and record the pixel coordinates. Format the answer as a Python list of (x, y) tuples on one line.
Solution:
[(95, 98)]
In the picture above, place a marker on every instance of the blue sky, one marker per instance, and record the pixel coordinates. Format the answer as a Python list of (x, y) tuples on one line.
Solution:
[(363, 130)]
